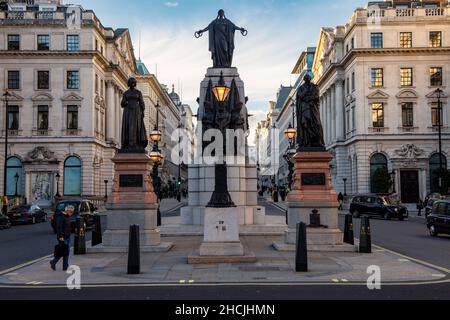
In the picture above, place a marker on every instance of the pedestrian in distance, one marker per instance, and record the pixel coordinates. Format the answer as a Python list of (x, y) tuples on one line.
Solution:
[(341, 201), (420, 206), (63, 233)]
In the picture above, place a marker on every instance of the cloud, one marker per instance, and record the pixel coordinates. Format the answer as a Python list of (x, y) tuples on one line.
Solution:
[(171, 4)]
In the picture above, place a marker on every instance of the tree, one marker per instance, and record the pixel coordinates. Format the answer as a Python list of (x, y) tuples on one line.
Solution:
[(381, 181), (444, 176)]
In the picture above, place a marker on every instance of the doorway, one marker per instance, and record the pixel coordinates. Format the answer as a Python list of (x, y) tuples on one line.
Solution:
[(410, 192)]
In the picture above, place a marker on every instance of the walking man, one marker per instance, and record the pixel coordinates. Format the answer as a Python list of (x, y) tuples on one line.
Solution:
[(63, 233), (341, 201)]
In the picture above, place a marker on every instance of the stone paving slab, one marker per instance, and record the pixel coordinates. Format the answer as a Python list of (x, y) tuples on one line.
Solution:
[(271, 267)]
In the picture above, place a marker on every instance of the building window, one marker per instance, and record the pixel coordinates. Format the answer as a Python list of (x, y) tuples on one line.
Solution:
[(72, 117), (406, 77), (73, 43), (376, 40), (435, 165), (377, 77), (43, 82), (42, 118), (43, 42), (405, 39), (14, 80), (353, 43), (347, 85), (96, 83), (378, 174), (436, 76), (435, 39), (13, 118), (407, 114), (13, 42), (378, 115), (72, 177), (436, 119), (13, 168), (73, 80)]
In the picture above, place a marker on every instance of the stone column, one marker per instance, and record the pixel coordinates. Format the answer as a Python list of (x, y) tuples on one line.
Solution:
[(328, 116), (325, 116), (110, 111), (340, 110), (333, 114)]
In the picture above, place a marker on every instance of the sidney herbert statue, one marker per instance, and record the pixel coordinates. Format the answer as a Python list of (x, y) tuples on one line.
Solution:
[(310, 130), (221, 40), (134, 135)]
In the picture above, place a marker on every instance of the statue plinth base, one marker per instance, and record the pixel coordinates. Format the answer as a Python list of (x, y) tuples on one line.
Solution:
[(132, 202), (313, 190)]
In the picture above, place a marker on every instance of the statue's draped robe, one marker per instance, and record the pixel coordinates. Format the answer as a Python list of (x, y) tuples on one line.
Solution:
[(134, 135), (221, 42), (308, 117)]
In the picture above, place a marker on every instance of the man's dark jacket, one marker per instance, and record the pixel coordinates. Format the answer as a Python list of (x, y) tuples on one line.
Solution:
[(63, 229)]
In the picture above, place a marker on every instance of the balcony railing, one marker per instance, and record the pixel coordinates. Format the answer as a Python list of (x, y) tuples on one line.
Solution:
[(405, 12), (45, 15), (434, 12), (15, 15)]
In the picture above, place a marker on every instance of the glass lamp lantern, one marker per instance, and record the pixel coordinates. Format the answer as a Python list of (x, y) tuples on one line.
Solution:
[(221, 91)]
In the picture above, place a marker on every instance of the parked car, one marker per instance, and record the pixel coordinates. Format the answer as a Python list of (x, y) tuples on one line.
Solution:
[(27, 214), (377, 206), (429, 206), (83, 208), (4, 222), (438, 222)]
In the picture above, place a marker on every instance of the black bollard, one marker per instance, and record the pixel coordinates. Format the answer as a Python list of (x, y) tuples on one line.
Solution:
[(349, 236), (97, 232), (79, 247), (301, 254), (158, 218), (134, 252), (365, 240)]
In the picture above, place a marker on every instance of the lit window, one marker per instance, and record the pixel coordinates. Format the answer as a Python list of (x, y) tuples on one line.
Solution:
[(406, 77), (378, 115), (405, 40), (435, 39)]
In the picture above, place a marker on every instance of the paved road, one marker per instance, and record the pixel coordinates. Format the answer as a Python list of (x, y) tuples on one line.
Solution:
[(410, 238), (236, 293), (25, 243)]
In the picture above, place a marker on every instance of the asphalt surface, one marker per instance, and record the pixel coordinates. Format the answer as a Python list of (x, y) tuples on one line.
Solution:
[(25, 243)]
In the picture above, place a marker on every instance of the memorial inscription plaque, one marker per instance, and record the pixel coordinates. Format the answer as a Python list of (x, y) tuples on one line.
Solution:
[(313, 179), (131, 181)]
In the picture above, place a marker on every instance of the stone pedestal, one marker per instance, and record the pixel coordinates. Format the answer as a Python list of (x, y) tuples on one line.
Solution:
[(221, 243), (312, 190), (242, 176), (132, 202)]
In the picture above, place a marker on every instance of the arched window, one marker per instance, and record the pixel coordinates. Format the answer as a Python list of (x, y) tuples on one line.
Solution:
[(435, 164), (13, 168), (72, 177), (379, 174)]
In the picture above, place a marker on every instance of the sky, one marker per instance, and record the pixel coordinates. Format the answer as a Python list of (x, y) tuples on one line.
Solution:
[(278, 31)]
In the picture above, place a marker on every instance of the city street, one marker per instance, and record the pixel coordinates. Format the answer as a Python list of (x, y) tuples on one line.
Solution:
[(410, 238)]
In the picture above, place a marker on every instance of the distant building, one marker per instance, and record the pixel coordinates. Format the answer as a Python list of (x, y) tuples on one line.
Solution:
[(378, 76)]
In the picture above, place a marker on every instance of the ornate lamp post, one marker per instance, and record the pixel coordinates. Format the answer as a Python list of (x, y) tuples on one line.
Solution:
[(16, 180), (157, 159), (290, 133), (394, 189), (5, 170), (106, 188), (221, 198), (58, 177), (439, 120)]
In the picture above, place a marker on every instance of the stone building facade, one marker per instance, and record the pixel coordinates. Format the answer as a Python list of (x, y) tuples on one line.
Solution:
[(378, 76), (66, 74)]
